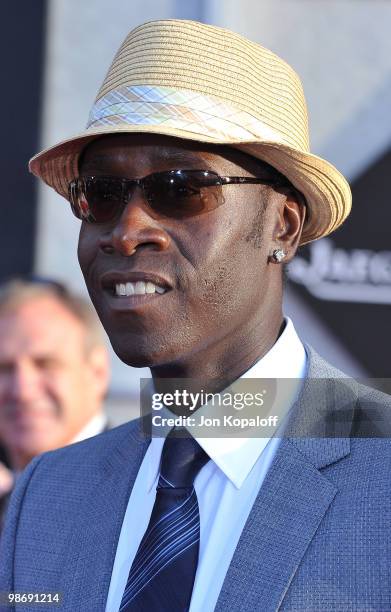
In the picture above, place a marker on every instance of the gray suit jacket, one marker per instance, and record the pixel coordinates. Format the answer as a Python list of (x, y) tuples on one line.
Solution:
[(4, 500), (317, 537)]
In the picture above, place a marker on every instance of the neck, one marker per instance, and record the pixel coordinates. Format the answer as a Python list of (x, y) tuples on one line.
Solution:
[(220, 364)]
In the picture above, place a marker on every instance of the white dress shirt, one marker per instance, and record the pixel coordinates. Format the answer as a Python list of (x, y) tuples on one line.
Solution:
[(226, 487)]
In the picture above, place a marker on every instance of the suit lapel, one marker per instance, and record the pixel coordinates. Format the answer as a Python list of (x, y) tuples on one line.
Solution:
[(90, 559), (294, 497), (284, 518)]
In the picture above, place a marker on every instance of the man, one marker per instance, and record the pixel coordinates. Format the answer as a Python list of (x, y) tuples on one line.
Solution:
[(195, 185), (53, 372)]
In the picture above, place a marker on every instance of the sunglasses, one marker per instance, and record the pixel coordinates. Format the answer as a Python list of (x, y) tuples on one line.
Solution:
[(176, 193)]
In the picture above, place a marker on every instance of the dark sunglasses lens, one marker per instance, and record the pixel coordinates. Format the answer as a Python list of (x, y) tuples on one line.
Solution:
[(176, 194), (97, 199), (183, 193)]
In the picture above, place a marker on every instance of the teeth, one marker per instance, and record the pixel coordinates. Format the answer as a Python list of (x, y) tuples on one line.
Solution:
[(138, 288), (129, 289), (150, 287)]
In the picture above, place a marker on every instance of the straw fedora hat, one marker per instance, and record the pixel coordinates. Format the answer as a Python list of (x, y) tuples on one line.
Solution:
[(199, 82)]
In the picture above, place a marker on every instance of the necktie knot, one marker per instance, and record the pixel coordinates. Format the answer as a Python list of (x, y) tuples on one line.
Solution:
[(182, 459)]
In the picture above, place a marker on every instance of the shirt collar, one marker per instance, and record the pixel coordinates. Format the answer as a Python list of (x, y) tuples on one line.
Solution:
[(236, 456)]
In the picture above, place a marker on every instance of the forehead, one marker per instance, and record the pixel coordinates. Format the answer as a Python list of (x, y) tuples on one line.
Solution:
[(39, 325), (124, 150)]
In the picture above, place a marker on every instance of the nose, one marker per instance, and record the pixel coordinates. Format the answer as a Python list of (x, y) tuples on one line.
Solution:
[(135, 229)]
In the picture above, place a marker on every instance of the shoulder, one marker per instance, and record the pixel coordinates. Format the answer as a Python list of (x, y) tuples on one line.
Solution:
[(69, 471), (347, 406), (366, 395), (82, 460), (91, 451)]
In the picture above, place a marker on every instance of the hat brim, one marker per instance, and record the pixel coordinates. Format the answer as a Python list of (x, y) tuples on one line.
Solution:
[(326, 191)]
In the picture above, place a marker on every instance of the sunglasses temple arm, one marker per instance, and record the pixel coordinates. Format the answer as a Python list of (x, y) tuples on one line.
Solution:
[(236, 180)]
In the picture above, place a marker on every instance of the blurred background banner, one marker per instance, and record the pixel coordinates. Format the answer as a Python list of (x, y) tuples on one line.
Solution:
[(55, 54)]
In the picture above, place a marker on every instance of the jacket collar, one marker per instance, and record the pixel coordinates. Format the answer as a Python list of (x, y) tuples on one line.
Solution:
[(321, 419)]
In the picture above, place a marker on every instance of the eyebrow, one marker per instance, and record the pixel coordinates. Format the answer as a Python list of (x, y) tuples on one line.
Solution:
[(178, 158)]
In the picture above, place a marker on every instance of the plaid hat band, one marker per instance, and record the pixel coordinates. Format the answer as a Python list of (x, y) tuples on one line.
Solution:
[(200, 114)]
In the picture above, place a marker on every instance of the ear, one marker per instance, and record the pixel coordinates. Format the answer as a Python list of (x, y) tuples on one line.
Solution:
[(99, 370), (289, 223)]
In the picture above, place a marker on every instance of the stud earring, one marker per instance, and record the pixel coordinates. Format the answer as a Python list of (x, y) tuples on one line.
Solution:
[(278, 255)]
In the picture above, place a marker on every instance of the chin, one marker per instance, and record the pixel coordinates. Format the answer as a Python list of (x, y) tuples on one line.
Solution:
[(142, 356)]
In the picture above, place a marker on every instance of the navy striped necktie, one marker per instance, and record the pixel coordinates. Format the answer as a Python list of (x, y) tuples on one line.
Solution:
[(162, 574)]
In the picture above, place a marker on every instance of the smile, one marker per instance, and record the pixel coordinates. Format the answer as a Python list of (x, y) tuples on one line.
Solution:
[(137, 288), (129, 290)]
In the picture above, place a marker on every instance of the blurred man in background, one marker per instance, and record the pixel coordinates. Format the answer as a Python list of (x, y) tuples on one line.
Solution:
[(54, 373)]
